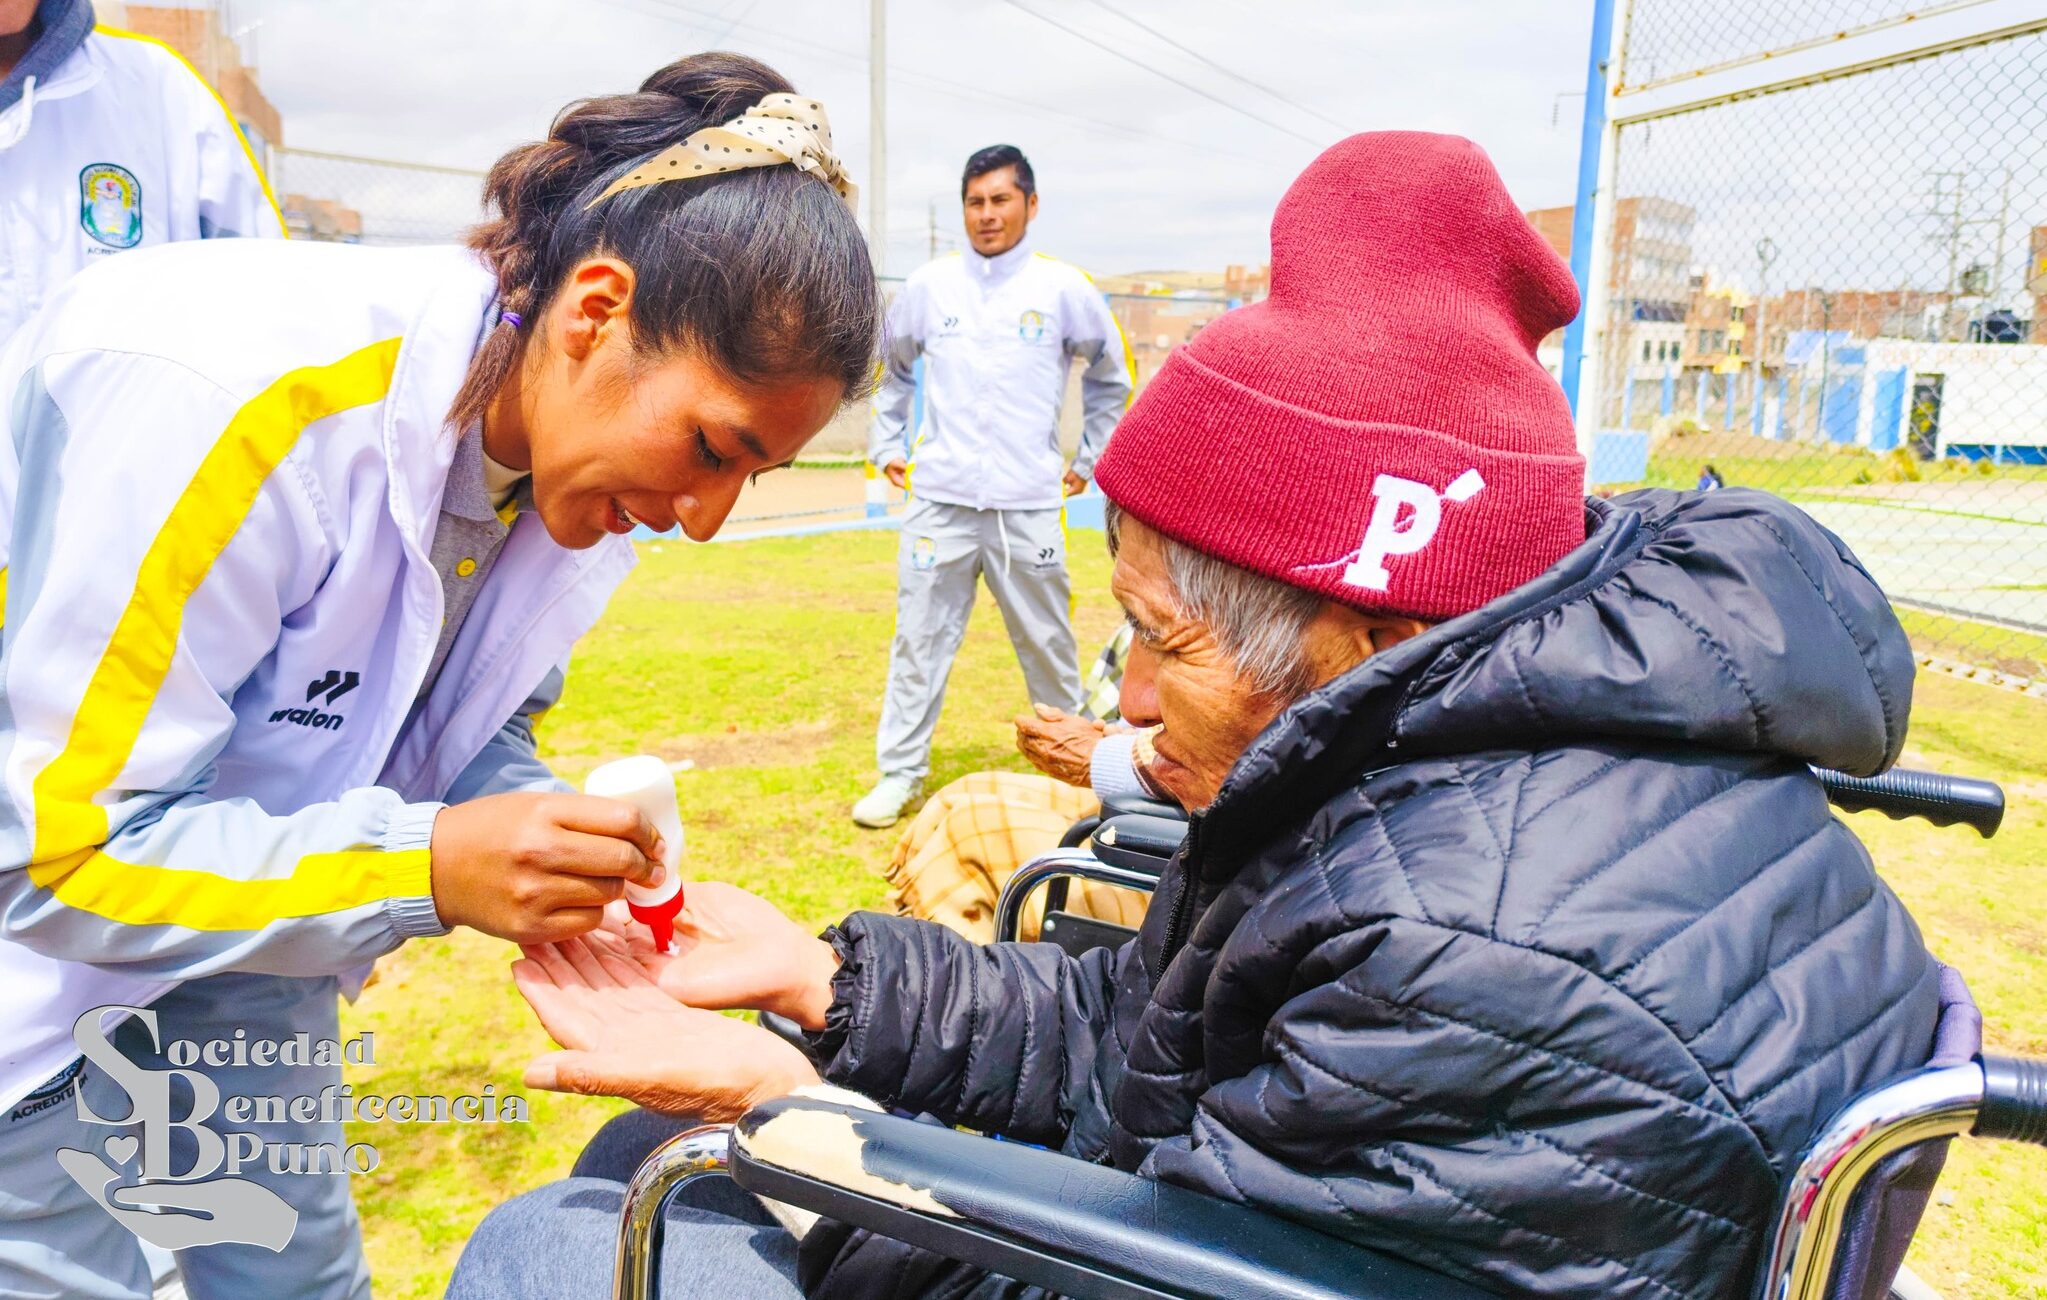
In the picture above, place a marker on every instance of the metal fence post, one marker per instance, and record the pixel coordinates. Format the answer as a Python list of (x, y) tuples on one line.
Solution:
[(1590, 257)]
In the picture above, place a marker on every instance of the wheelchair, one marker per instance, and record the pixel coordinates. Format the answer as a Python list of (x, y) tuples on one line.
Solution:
[(1098, 1233)]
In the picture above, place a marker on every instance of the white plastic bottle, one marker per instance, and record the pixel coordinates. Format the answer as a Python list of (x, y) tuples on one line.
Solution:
[(645, 782)]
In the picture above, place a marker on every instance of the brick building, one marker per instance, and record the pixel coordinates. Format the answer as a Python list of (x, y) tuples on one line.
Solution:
[(1649, 278), (197, 34), (1161, 310)]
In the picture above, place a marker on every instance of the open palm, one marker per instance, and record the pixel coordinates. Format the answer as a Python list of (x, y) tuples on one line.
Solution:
[(622, 1037), (732, 949)]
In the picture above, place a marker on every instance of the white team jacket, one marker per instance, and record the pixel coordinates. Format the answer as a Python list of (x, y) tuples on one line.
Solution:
[(996, 334), (224, 465), (121, 146)]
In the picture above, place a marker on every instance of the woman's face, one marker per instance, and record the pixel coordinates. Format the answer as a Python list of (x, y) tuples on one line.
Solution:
[(615, 439)]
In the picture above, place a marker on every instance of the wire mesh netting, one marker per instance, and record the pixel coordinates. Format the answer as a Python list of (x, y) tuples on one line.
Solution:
[(1838, 292), (344, 199)]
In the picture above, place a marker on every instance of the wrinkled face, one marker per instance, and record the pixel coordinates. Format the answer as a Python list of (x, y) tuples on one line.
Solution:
[(614, 438), (1179, 678), (997, 211)]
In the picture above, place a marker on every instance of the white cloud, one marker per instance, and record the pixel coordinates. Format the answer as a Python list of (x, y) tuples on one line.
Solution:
[(1135, 172)]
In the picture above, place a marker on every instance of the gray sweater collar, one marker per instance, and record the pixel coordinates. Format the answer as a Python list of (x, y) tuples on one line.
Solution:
[(65, 25)]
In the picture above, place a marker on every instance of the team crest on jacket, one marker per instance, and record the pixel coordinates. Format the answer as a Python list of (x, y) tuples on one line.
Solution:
[(1030, 326), (110, 205)]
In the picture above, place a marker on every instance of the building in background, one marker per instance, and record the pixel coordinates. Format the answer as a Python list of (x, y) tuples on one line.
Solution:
[(1650, 278), (326, 220), (1163, 310), (321, 196), (197, 34)]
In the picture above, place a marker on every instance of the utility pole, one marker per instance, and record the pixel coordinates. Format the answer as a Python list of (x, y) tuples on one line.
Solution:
[(932, 208), (1997, 270), (1766, 253), (1826, 355), (877, 123)]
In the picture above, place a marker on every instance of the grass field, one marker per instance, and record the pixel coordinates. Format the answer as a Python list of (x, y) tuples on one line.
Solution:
[(762, 663)]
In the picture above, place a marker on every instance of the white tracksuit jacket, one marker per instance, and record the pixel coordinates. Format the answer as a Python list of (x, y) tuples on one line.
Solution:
[(109, 142), (996, 334), (224, 464)]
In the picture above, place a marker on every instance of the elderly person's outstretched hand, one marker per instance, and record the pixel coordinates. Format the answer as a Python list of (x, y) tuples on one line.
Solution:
[(641, 1025), (733, 951)]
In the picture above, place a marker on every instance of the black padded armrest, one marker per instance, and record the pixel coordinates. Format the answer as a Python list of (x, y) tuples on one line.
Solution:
[(1039, 1217), (1117, 805), (1139, 841)]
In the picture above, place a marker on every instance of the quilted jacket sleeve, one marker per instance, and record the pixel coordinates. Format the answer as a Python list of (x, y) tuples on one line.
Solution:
[(998, 1038)]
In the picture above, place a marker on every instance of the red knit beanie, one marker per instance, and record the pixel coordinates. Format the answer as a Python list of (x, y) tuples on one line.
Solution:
[(1378, 430)]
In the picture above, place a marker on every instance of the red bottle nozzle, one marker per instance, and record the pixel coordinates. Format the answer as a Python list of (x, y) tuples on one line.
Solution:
[(659, 918)]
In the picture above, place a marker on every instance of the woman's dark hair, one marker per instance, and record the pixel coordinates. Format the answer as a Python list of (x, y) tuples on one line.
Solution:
[(763, 270), (994, 158)]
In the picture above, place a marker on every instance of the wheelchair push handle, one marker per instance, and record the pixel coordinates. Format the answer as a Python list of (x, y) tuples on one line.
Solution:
[(1901, 792), (2014, 1105)]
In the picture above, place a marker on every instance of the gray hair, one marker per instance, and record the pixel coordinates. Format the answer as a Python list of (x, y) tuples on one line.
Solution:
[(1261, 623)]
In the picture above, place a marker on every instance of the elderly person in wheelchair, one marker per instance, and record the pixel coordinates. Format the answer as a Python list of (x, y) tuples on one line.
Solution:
[(1511, 934)]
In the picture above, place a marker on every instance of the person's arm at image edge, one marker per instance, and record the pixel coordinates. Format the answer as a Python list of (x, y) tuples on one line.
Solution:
[(889, 432), (1106, 383)]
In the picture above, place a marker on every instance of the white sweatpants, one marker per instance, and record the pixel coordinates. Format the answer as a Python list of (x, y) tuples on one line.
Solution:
[(945, 551)]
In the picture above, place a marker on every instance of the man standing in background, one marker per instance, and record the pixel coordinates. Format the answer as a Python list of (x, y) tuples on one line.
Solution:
[(108, 141), (996, 326)]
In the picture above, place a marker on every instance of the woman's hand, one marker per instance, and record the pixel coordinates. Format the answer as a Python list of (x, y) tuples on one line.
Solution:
[(733, 951), (536, 868), (626, 1038)]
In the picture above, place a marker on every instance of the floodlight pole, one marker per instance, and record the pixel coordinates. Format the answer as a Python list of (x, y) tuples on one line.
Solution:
[(877, 123), (1586, 338)]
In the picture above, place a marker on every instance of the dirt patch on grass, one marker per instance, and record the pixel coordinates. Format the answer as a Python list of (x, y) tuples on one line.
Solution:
[(787, 747)]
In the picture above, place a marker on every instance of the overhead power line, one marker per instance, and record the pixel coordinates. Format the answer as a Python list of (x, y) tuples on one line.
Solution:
[(674, 12), (1232, 73), (738, 17), (1160, 73)]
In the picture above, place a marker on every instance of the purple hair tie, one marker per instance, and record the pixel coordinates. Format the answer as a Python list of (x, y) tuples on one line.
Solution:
[(510, 318)]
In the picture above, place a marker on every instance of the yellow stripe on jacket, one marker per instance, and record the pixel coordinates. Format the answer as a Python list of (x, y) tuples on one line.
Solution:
[(70, 823), (90, 881)]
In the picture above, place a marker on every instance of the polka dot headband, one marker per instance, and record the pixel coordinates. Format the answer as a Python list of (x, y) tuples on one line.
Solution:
[(780, 129)]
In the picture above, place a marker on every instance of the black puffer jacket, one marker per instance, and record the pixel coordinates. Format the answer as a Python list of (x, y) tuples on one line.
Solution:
[(1528, 949)]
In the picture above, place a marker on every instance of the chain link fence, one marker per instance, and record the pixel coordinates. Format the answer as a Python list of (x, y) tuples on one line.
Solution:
[(1836, 289), (344, 199)]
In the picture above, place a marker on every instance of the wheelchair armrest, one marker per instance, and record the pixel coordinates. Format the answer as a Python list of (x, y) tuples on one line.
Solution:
[(1039, 1217), (1139, 841), (1117, 805)]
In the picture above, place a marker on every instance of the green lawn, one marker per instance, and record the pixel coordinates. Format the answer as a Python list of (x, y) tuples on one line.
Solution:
[(762, 663)]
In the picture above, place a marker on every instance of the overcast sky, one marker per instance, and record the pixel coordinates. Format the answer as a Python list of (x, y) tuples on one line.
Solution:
[(1135, 172)]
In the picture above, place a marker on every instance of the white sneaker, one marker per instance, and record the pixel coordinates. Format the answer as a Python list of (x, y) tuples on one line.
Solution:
[(883, 805)]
